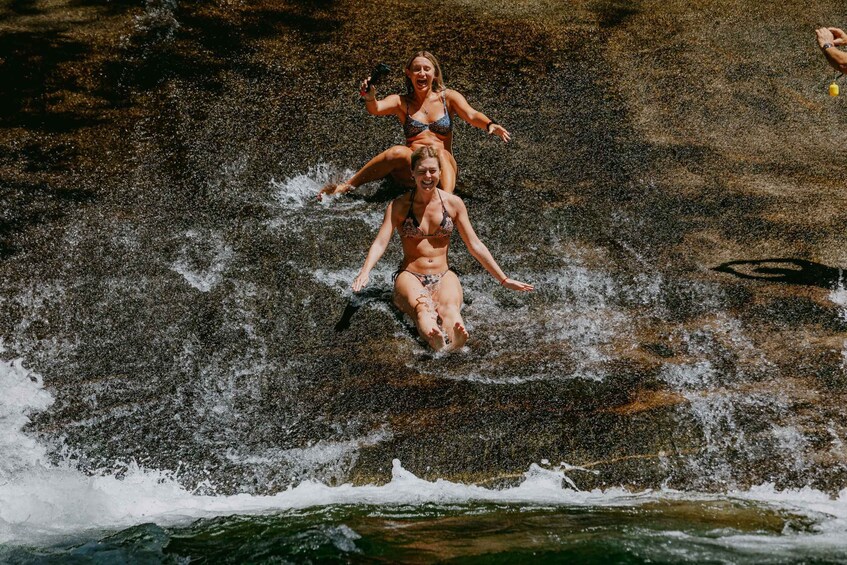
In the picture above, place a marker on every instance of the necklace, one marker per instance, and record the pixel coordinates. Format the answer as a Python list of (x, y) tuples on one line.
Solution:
[(423, 106)]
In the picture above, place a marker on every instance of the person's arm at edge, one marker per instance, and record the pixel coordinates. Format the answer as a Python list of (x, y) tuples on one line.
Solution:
[(480, 252), (383, 237), (474, 117), (833, 36)]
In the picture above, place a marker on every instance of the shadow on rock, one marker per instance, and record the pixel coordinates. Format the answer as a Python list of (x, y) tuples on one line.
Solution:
[(784, 270), (31, 204), (32, 83), (359, 300)]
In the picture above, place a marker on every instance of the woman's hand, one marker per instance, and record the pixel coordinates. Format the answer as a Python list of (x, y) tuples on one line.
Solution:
[(360, 281), (367, 90), (499, 131), (519, 286)]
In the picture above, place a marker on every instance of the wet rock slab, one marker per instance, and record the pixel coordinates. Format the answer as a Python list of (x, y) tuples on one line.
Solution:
[(668, 191)]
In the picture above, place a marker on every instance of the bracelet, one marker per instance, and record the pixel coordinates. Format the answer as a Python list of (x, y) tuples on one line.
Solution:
[(489, 124), (504, 280)]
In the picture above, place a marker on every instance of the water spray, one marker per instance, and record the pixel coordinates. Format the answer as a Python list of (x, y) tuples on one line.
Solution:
[(833, 88)]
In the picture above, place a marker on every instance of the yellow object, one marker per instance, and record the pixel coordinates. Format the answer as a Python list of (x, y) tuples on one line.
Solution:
[(833, 89)]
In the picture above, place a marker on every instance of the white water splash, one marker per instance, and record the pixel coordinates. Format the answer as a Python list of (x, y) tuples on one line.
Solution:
[(793, 443), (373, 219), (295, 192), (40, 502), (582, 319), (203, 259), (720, 399), (23, 394), (329, 458), (697, 375), (838, 296), (157, 23)]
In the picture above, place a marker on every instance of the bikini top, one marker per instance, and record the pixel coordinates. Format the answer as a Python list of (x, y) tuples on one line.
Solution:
[(441, 126), (411, 228)]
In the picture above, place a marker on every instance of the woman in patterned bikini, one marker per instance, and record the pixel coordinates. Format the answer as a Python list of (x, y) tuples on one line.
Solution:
[(425, 113), (425, 287)]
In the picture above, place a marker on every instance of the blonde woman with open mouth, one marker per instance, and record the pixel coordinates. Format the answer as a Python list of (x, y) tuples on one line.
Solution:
[(425, 112), (425, 287)]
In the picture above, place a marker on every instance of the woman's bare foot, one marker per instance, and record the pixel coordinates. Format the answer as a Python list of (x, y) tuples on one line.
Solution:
[(435, 337), (335, 188), (460, 336)]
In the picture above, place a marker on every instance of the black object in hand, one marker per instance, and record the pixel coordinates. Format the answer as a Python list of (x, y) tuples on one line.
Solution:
[(379, 73)]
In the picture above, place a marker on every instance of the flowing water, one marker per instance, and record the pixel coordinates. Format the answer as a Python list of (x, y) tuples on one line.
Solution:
[(186, 374)]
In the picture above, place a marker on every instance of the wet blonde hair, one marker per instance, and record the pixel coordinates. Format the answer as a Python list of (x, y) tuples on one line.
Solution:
[(438, 79), (425, 152)]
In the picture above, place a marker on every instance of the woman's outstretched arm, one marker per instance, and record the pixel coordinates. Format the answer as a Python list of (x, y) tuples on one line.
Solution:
[(475, 117), (376, 251), (391, 104), (480, 252)]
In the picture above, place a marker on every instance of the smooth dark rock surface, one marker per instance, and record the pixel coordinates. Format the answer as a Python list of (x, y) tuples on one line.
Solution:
[(675, 190)]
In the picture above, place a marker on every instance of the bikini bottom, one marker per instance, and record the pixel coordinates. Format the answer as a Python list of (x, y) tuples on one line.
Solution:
[(430, 285), (429, 282)]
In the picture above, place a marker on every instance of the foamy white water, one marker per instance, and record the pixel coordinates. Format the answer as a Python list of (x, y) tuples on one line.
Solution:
[(295, 192), (40, 501), (292, 195), (838, 296), (23, 394), (203, 272)]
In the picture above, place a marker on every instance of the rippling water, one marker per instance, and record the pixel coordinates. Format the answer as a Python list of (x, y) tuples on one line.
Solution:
[(55, 513), (654, 531)]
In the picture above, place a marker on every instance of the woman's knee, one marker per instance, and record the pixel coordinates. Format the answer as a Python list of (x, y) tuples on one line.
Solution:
[(425, 316), (447, 159), (415, 304), (398, 153), (450, 311), (408, 305)]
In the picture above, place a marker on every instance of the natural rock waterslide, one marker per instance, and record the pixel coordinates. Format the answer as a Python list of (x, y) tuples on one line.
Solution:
[(674, 189)]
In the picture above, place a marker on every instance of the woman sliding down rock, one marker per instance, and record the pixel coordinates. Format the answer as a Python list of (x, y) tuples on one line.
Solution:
[(425, 287), (424, 111)]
